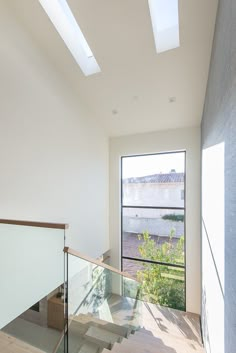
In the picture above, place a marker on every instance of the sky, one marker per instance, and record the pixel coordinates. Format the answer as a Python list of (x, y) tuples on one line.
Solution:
[(152, 164)]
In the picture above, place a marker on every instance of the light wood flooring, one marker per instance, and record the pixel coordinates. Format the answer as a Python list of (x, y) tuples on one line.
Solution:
[(173, 331), (9, 344)]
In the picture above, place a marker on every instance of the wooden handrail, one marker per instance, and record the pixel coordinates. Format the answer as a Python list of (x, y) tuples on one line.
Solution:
[(105, 259), (97, 262), (35, 224)]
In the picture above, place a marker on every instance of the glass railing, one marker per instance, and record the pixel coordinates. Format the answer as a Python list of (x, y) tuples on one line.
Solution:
[(40, 326), (98, 313), (61, 302), (32, 280)]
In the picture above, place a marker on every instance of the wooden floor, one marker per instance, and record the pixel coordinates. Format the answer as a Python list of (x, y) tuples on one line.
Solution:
[(176, 331), (41, 337), (161, 320), (9, 344)]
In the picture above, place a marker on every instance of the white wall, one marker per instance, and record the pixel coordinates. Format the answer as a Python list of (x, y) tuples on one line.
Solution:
[(31, 266), (219, 189), (53, 154), (182, 139)]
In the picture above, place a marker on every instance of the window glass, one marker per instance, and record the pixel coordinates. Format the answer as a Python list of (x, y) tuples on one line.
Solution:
[(153, 180)]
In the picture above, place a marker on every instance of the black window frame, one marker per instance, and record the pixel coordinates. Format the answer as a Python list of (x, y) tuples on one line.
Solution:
[(154, 207)]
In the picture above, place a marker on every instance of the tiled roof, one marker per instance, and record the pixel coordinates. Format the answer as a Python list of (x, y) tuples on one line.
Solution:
[(157, 178)]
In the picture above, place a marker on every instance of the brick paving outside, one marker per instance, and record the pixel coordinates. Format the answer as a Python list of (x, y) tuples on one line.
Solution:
[(130, 249)]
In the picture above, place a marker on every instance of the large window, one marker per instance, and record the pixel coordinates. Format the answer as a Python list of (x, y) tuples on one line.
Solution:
[(153, 226)]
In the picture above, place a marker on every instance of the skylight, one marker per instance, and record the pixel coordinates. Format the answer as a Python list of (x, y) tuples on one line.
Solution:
[(165, 24), (62, 18)]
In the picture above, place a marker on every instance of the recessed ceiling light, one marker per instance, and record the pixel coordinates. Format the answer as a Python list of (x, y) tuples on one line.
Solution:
[(172, 99), (165, 24), (62, 18), (114, 111)]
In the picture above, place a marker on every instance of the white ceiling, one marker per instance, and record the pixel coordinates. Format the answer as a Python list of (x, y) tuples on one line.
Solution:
[(135, 82)]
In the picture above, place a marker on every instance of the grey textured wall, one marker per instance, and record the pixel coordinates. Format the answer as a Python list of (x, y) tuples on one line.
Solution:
[(219, 125)]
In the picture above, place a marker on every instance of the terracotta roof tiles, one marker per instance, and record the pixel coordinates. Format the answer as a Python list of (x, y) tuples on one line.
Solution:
[(157, 178)]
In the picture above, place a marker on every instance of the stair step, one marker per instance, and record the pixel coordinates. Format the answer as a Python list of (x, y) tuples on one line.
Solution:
[(168, 339), (129, 346), (93, 321), (121, 348), (77, 338), (98, 335), (165, 344), (89, 347), (156, 318), (143, 330)]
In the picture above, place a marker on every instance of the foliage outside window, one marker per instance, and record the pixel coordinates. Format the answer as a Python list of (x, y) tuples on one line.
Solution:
[(162, 284), (174, 217)]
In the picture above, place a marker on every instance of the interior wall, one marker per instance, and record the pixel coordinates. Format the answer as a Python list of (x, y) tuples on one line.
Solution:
[(181, 139), (53, 153), (219, 188)]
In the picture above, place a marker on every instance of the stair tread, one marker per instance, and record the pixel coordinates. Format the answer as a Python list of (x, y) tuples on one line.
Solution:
[(131, 348), (98, 334), (168, 337), (156, 318), (137, 348), (89, 347), (162, 346), (109, 326), (166, 345), (77, 337), (160, 333)]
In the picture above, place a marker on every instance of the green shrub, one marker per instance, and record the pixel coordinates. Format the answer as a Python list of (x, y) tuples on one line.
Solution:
[(174, 217), (162, 284)]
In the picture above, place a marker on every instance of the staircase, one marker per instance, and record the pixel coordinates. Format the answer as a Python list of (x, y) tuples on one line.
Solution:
[(90, 287), (92, 335), (95, 287), (88, 334), (143, 342)]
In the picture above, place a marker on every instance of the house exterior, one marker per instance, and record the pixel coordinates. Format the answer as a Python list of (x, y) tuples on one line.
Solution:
[(157, 190), (63, 134)]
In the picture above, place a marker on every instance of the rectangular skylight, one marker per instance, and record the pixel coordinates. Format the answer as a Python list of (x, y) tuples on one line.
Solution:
[(165, 24), (62, 18)]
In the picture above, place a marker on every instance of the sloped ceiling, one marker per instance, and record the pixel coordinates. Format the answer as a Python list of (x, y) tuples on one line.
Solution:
[(132, 93)]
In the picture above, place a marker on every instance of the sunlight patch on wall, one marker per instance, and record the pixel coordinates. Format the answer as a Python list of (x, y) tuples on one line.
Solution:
[(213, 246)]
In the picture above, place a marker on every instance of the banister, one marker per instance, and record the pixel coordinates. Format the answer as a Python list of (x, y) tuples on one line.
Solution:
[(97, 262), (35, 224), (105, 259)]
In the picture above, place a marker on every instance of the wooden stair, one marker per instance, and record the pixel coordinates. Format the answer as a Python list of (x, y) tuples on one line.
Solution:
[(145, 343), (92, 335), (88, 334), (93, 321), (122, 340)]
